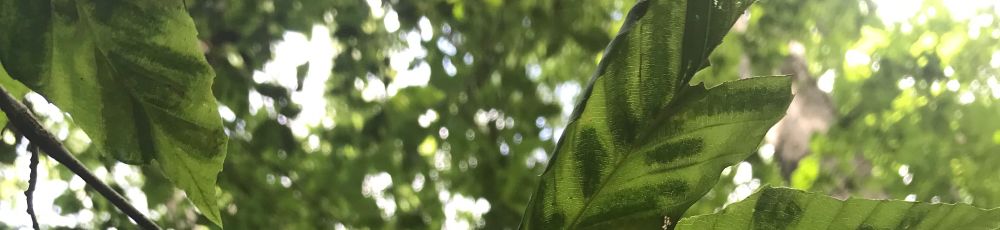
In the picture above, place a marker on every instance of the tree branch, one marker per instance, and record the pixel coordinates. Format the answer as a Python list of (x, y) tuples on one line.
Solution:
[(32, 180), (26, 123)]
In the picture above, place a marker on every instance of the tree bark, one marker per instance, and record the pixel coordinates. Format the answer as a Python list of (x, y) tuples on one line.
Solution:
[(25, 122), (811, 111)]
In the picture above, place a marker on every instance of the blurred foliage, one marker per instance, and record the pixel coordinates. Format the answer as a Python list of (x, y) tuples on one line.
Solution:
[(492, 46), (901, 89)]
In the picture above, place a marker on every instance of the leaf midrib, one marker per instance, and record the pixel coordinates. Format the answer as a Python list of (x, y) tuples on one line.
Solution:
[(614, 171), (142, 106), (91, 30), (683, 91)]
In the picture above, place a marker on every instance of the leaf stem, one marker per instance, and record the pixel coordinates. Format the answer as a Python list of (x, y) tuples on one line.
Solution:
[(26, 123)]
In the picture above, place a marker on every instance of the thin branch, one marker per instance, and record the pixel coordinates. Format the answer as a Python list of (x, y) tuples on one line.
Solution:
[(26, 123), (32, 180)]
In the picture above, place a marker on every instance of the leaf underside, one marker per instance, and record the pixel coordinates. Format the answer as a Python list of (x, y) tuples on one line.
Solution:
[(132, 76), (783, 208), (643, 144)]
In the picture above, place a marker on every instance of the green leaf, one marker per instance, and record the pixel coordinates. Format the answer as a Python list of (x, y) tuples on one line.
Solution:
[(132, 76), (643, 144), (16, 89), (784, 208)]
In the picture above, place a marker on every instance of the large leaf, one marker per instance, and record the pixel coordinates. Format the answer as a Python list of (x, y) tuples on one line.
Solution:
[(783, 208), (131, 75), (643, 144)]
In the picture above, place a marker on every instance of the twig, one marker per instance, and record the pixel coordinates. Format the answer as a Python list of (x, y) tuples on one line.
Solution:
[(26, 123), (32, 180)]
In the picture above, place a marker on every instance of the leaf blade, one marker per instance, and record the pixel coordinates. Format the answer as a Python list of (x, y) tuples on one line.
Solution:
[(784, 208), (133, 77), (641, 129)]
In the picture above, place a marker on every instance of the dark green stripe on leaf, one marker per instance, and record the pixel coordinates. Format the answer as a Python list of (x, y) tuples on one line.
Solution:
[(147, 82), (180, 66), (593, 158), (673, 150), (776, 209), (914, 216), (637, 200), (618, 117), (783, 208), (738, 100), (128, 16)]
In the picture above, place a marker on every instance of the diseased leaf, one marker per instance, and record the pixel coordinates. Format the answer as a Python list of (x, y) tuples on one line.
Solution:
[(131, 75), (643, 144), (784, 208)]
